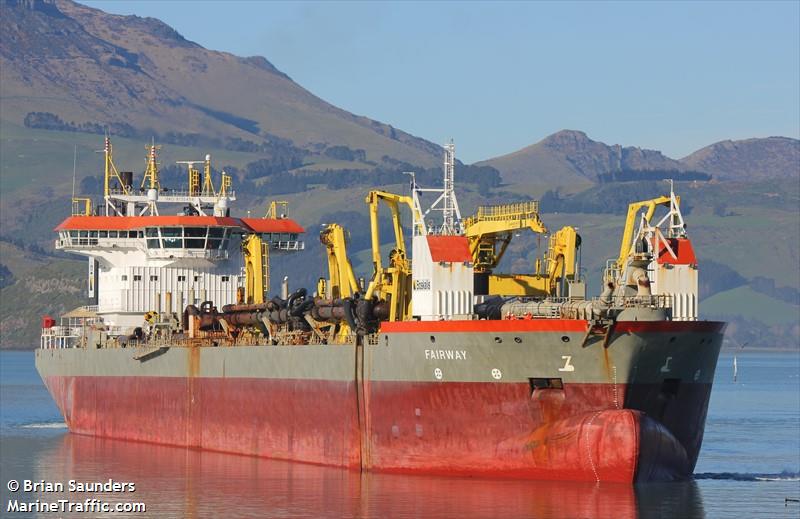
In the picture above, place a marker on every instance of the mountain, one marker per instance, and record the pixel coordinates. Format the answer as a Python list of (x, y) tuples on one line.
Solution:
[(749, 159), (570, 156), (68, 66)]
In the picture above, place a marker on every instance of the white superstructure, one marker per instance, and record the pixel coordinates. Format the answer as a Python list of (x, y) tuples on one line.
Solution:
[(152, 249), (442, 272)]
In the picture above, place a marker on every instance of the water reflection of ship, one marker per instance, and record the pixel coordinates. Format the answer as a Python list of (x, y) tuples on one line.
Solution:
[(177, 482)]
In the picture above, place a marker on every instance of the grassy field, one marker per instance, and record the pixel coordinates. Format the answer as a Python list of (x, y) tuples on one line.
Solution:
[(747, 302)]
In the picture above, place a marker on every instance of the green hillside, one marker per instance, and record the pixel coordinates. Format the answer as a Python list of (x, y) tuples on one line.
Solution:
[(750, 304), (41, 285)]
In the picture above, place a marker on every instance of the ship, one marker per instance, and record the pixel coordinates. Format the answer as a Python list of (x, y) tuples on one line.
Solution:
[(438, 363)]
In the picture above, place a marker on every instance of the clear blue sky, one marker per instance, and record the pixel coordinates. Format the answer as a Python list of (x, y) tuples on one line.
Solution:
[(496, 77)]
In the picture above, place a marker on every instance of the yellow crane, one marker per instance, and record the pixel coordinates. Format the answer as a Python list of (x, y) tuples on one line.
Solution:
[(256, 268), (391, 283), (630, 223), (491, 228), (490, 231), (341, 280)]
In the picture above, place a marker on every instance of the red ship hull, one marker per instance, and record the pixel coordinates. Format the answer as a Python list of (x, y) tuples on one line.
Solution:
[(547, 436)]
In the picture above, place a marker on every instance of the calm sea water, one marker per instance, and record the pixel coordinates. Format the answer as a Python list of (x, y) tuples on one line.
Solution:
[(748, 467)]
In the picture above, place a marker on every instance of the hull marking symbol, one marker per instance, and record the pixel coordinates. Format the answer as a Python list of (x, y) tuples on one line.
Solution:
[(437, 373), (665, 368), (567, 363), (497, 374)]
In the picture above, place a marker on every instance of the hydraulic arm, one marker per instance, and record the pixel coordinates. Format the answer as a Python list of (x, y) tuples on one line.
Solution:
[(256, 267), (490, 231), (341, 279), (391, 283), (630, 223)]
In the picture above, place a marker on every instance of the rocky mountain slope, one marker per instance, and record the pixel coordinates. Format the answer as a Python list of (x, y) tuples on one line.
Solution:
[(138, 76), (749, 159), (570, 156)]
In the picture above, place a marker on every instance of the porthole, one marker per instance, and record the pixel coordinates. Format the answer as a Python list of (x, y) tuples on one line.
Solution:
[(564, 338), (498, 340), (671, 340), (518, 339), (433, 339)]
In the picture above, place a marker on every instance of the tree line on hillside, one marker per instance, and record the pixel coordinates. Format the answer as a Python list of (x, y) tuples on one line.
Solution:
[(636, 175), (605, 198), (271, 145), (269, 177), (266, 177)]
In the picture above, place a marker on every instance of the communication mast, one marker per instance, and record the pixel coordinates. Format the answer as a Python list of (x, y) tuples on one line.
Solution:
[(446, 202), (451, 215)]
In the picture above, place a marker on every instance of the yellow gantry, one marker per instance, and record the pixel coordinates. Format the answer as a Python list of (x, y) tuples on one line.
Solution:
[(256, 266), (341, 281), (491, 228), (392, 283), (630, 222), (490, 231)]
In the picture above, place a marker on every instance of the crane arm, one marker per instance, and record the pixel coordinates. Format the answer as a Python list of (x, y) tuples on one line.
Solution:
[(256, 265), (393, 201), (630, 223), (342, 281), (561, 253), (490, 230), (394, 281)]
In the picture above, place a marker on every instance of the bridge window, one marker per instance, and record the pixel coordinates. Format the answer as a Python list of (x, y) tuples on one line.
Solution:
[(112, 234), (195, 232), (153, 243), (195, 237), (137, 277), (181, 278), (171, 232), (171, 237), (102, 234), (217, 244)]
